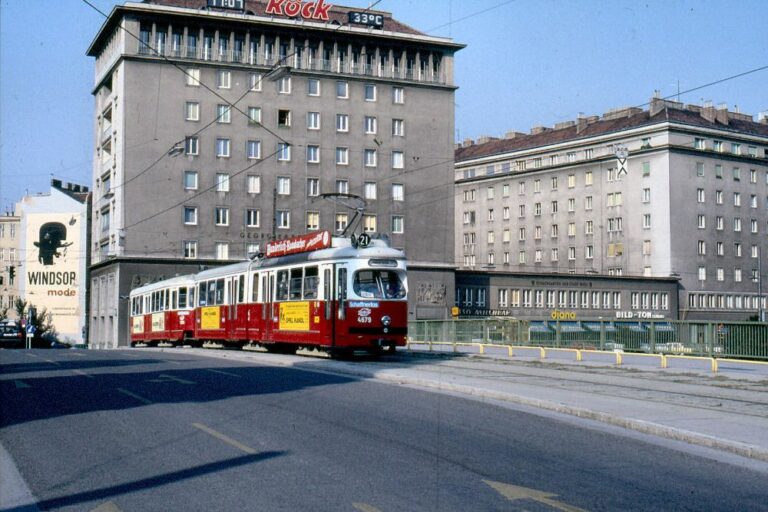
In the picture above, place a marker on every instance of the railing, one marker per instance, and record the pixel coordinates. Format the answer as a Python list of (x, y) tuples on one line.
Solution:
[(706, 339)]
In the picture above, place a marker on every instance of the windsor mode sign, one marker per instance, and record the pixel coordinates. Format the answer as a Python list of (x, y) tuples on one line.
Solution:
[(292, 8)]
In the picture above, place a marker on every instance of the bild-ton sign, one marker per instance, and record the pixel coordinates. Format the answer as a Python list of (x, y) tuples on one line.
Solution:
[(308, 10)]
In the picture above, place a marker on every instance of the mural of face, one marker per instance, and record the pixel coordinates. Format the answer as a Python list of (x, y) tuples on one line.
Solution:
[(52, 234)]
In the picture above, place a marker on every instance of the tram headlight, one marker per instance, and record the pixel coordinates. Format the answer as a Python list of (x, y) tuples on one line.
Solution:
[(386, 320)]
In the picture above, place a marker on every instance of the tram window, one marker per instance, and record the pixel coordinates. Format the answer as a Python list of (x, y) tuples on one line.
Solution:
[(282, 285), (192, 296), (202, 294), (311, 282), (167, 300), (174, 302), (211, 298), (378, 284), (342, 285), (219, 291), (146, 303), (296, 279), (182, 298), (255, 289), (241, 289)]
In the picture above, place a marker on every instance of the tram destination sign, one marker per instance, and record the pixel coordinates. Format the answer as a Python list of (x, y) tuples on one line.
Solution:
[(237, 5), (299, 244)]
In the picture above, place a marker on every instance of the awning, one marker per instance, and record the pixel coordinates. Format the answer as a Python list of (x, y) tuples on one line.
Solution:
[(571, 327), (538, 326), (595, 326)]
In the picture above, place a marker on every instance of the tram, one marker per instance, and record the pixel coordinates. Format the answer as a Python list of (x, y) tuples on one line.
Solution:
[(333, 294)]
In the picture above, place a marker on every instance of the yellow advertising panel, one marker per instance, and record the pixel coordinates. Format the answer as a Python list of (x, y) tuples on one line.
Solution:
[(294, 316), (137, 326), (210, 318), (158, 322)]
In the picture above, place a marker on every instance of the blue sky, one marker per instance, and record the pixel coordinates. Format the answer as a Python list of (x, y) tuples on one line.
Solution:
[(527, 63)]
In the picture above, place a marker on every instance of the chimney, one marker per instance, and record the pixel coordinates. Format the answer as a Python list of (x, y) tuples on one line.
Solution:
[(539, 129), (721, 114), (565, 124), (513, 135), (467, 143)]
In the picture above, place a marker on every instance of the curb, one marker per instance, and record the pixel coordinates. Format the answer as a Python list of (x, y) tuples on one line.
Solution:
[(642, 426)]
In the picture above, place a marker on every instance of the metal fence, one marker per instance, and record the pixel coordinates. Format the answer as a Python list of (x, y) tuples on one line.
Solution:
[(732, 339)]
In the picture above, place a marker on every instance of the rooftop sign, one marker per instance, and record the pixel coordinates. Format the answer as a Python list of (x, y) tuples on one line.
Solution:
[(317, 10), (299, 244), (227, 4)]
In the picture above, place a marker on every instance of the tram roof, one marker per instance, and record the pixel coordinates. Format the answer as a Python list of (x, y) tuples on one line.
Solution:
[(165, 283)]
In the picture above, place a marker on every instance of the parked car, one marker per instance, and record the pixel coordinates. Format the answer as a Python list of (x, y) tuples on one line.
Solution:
[(11, 334)]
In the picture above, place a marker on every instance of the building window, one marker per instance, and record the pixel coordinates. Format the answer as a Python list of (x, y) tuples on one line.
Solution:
[(313, 221), (700, 195), (342, 156), (702, 248), (699, 143), (370, 158), (647, 221), (223, 79), (718, 171), (646, 195), (254, 115), (398, 192), (702, 222), (313, 154), (398, 128), (283, 152), (223, 114), (369, 190), (192, 111), (341, 221), (222, 182), (190, 249), (313, 187), (646, 247), (284, 85), (717, 145), (369, 223), (736, 174), (719, 196), (370, 125), (398, 95), (342, 122), (370, 92), (398, 160), (699, 169), (736, 199), (191, 146), (252, 218), (283, 118), (253, 184), (254, 82), (283, 186), (313, 120), (588, 203), (193, 77), (222, 148), (190, 215), (702, 273), (190, 180), (398, 224), (588, 179), (221, 214), (342, 186), (342, 89), (737, 224), (283, 219), (253, 149), (313, 87), (646, 168), (222, 250)]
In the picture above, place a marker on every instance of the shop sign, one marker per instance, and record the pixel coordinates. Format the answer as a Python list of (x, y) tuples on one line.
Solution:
[(308, 10), (562, 315), (485, 312), (643, 315)]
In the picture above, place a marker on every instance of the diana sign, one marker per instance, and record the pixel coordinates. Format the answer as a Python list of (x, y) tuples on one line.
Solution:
[(308, 10)]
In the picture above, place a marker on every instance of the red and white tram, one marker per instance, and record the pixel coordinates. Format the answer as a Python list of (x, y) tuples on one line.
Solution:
[(163, 311), (333, 294)]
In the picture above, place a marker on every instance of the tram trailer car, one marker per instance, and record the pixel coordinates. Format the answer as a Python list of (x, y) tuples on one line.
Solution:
[(163, 312), (333, 294)]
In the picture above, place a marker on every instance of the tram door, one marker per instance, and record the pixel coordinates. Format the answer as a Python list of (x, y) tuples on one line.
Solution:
[(270, 313), (340, 302)]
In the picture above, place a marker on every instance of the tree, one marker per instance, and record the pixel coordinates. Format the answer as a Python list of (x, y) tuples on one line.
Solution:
[(41, 319)]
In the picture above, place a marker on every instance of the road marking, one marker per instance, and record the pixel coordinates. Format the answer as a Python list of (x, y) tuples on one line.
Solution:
[(225, 438), (133, 395), (223, 373), (50, 361), (107, 507), (81, 372), (20, 384), (78, 354), (513, 493), (173, 362), (29, 354), (364, 507), (164, 377)]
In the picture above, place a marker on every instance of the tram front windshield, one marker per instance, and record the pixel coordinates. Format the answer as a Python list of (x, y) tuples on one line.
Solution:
[(378, 284)]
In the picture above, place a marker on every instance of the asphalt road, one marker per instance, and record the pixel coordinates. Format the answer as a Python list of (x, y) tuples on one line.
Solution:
[(138, 430)]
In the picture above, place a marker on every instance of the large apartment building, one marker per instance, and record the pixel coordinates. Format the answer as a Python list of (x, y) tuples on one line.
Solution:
[(672, 192), (221, 125), (10, 262)]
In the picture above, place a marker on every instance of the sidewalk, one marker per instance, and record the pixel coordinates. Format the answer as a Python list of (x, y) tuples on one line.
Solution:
[(712, 410)]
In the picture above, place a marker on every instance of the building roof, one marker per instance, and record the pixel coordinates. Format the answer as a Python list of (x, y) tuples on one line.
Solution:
[(660, 112), (338, 14)]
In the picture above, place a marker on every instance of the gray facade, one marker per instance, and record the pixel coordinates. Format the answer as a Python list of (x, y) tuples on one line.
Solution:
[(217, 132), (692, 204)]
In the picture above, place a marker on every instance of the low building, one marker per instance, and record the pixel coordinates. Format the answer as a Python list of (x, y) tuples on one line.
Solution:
[(52, 268), (9, 263)]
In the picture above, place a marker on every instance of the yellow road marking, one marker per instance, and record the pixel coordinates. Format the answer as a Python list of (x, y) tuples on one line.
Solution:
[(514, 492), (134, 395), (107, 507), (81, 372), (225, 438), (223, 372), (364, 507)]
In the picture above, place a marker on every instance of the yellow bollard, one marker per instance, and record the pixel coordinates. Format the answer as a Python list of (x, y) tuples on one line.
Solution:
[(482, 348), (430, 346), (509, 348), (618, 358), (714, 365), (663, 361), (543, 353), (578, 355)]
